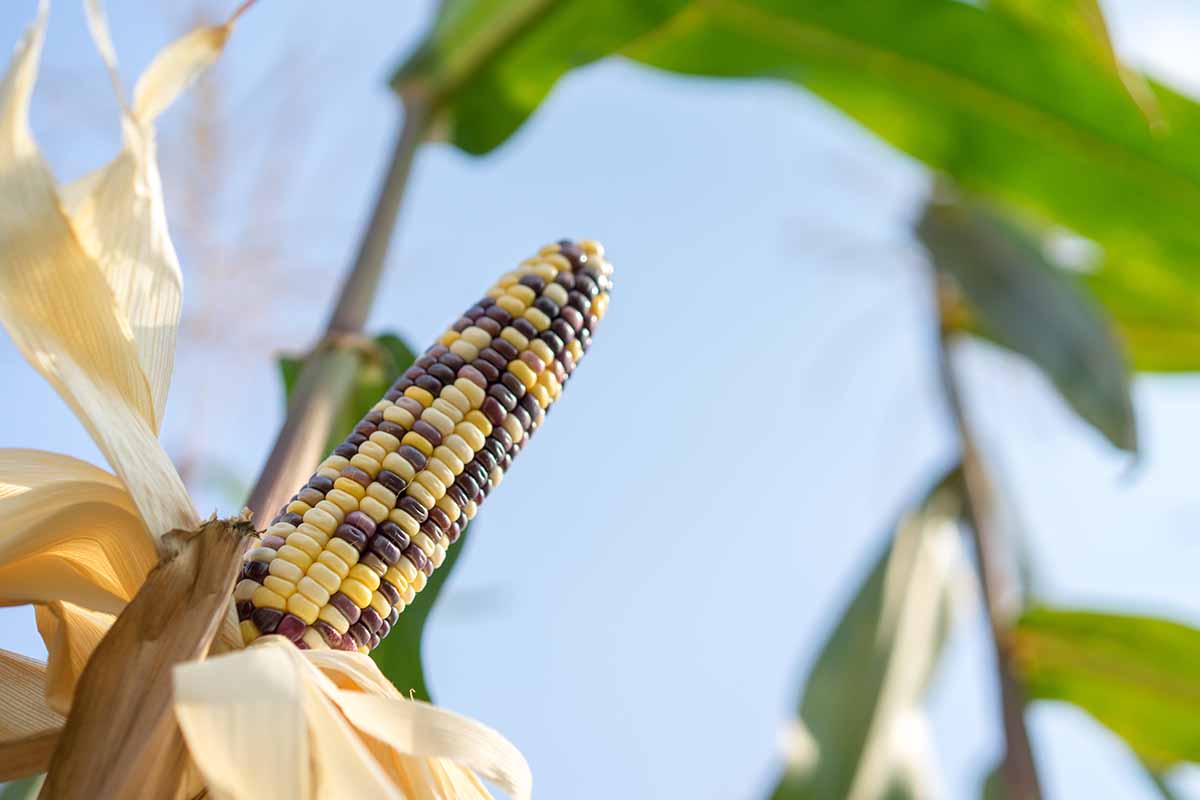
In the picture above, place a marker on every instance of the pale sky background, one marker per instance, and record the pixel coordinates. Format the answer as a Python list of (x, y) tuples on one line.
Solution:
[(642, 599)]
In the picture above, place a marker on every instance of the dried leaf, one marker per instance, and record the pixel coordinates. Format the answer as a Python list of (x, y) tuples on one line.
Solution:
[(71, 635), (60, 311), (121, 738), (358, 735), (28, 728)]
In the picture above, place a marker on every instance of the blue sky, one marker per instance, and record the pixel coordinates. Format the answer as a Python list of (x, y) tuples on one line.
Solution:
[(642, 598)]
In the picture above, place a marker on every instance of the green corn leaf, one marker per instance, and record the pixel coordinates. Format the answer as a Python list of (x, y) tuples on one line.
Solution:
[(870, 677), (399, 654), (1136, 675), (1023, 302)]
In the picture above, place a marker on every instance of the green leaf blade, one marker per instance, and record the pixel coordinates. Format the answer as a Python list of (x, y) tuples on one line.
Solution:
[(1136, 675)]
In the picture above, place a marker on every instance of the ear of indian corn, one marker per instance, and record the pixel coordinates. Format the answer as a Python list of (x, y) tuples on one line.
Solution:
[(352, 548)]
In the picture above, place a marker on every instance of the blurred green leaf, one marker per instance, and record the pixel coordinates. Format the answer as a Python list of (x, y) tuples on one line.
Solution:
[(399, 654), (1136, 675), (864, 693), (24, 789), (487, 64), (379, 367), (1033, 308)]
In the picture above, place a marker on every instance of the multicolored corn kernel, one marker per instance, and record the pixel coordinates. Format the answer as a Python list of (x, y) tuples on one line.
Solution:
[(349, 552)]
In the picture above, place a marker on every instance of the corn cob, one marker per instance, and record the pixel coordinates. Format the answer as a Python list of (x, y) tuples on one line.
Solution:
[(349, 552)]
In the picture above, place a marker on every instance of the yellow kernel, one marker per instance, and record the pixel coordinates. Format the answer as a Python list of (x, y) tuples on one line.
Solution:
[(600, 305), (449, 458), (511, 304), (265, 598), (480, 421), (352, 488), (359, 594), (399, 416), (335, 619), (470, 510), (400, 466), (440, 469), (381, 405), (408, 570), (420, 493), (576, 350), (366, 463), (332, 509), (418, 441), (508, 279), (343, 500), (523, 372), (477, 336), (279, 586), (303, 608), (443, 424), (387, 443), (475, 395), (374, 509), (467, 351), (439, 555), (298, 507), (557, 260), (335, 565), (470, 434), (245, 588), (295, 555), (366, 577), (407, 593), (424, 543), (431, 483), (496, 476), (313, 590), (448, 338), (382, 494), (343, 550), (541, 395), (328, 472), (537, 318), (514, 337), (326, 578), (548, 249), (513, 427), (556, 292), (452, 412), (523, 293), (591, 247), (450, 507), (404, 520), (249, 631), (305, 543), (460, 447), (281, 529), (371, 449), (322, 520), (455, 397), (282, 568), (263, 554), (313, 639), (336, 462), (313, 532), (420, 395), (546, 272), (418, 583), (381, 605), (395, 577), (541, 350), (494, 292)]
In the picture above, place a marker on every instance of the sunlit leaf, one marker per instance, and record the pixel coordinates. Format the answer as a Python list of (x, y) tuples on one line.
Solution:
[(1030, 306), (379, 366), (864, 731), (1136, 675)]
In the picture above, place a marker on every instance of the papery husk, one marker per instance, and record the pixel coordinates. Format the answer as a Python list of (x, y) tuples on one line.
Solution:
[(28, 727), (121, 739)]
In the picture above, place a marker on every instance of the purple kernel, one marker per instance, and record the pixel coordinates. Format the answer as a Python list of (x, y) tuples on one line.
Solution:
[(346, 607), (266, 619), (361, 521)]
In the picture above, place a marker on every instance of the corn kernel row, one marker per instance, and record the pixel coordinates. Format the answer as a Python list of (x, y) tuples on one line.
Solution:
[(351, 549)]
